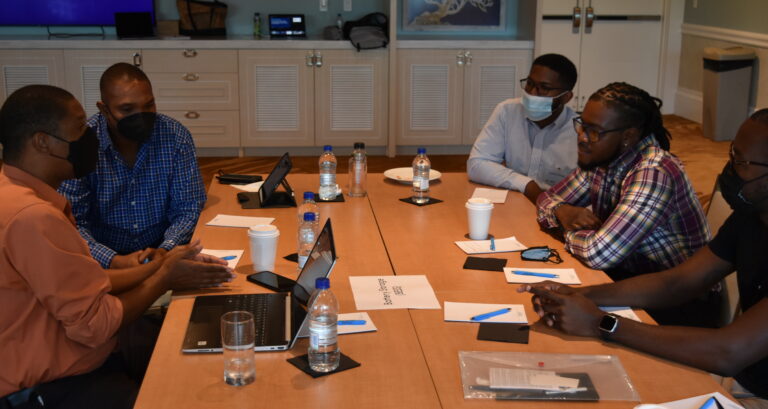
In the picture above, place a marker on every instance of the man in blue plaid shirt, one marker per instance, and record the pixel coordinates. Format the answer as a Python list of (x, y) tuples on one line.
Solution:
[(147, 193)]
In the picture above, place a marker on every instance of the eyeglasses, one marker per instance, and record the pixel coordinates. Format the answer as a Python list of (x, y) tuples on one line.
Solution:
[(732, 157), (593, 135), (529, 85), (542, 253)]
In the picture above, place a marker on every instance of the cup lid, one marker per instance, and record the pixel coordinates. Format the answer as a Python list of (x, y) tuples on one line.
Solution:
[(263, 230), (479, 201)]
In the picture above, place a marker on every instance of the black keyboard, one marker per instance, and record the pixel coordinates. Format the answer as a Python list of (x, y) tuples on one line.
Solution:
[(260, 306)]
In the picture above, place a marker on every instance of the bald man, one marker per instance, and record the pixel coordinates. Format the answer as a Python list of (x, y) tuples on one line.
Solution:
[(146, 194)]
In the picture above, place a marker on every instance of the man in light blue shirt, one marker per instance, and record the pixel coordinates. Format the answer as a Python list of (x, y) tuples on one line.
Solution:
[(529, 143)]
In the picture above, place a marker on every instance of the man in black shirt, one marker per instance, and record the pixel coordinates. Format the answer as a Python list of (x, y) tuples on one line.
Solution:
[(739, 349)]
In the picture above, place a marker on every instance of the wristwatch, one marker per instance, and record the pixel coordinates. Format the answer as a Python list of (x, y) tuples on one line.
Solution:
[(608, 325)]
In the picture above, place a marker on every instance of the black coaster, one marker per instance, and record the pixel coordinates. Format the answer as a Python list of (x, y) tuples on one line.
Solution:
[(302, 362), (339, 198), (292, 257), (432, 200), (466, 236), (482, 263), (502, 332)]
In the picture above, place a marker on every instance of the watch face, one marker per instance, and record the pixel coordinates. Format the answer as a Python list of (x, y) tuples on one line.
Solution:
[(609, 323)]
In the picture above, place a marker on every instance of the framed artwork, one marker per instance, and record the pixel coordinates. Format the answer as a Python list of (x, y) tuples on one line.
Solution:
[(454, 15)]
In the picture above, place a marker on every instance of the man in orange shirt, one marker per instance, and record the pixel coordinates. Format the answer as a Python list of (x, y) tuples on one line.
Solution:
[(60, 313)]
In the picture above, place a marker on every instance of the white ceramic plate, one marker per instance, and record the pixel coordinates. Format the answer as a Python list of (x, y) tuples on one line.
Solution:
[(405, 175)]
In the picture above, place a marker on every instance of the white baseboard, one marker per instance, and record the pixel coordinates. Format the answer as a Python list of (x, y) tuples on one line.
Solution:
[(688, 104)]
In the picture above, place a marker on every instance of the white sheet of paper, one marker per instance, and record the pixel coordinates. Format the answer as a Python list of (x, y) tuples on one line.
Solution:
[(566, 275), (464, 311), (484, 246), (625, 312), (251, 187), (353, 329), (226, 253), (226, 220), (393, 292), (518, 378), (696, 402), (494, 195)]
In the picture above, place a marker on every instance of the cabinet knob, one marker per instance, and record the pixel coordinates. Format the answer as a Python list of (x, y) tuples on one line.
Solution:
[(460, 58), (309, 59), (318, 60), (467, 57), (190, 76), (192, 115), (137, 60), (190, 53)]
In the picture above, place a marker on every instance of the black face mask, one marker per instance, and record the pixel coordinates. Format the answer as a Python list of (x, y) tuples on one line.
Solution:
[(137, 127), (83, 153), (732, 188)]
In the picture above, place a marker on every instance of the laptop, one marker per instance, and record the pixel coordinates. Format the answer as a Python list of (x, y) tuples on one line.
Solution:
[(268, 196), (287, 26), (279, 317)]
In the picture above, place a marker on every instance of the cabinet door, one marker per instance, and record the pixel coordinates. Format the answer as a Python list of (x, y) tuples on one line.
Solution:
[(430, 84), (19, 68), (193, 90), (210, 129), (561, 35), (492, 76), (351, 97), (277, 98), (83, 70)]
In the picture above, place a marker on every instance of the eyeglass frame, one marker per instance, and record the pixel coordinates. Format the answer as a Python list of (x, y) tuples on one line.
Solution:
[(734, 162), (579, 123), (539, 88)]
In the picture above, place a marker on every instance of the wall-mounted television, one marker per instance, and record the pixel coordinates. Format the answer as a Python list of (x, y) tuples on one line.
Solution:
[(68, 12)]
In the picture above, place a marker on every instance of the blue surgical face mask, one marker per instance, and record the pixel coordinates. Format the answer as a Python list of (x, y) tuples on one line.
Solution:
[(538, 108)]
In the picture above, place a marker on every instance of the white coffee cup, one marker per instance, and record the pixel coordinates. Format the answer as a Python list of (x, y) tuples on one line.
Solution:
[(479, 211), (263, 239)]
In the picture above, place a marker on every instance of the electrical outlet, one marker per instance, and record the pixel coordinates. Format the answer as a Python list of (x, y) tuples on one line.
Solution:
[(347, 5), (323, 5)]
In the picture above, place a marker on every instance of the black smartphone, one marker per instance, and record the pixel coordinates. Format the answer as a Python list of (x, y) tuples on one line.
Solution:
[(274, 282)]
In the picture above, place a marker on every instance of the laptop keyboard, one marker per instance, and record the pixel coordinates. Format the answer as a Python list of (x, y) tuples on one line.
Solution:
[(258, 305)]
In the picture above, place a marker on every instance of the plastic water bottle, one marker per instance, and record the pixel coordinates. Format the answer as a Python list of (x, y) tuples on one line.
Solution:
[(328, 188), (358, 171), (339, 22), (256, 25), (307, 235), (309, 205), (421, 168), (324, 354)]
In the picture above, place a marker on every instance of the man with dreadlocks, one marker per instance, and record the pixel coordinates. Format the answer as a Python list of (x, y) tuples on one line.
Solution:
[(739, 349), (629, 207)]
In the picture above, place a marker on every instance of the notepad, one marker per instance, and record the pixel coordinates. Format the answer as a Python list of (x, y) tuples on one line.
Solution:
[(231, 256), (226, 220), (565, 275), (494, 195), (484, 246), (251, 187), (464, 311)]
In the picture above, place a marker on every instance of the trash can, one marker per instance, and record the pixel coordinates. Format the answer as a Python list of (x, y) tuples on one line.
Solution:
[(726, 87)]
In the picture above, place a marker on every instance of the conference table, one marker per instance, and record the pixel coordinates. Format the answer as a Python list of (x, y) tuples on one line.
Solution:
[(412, 360)]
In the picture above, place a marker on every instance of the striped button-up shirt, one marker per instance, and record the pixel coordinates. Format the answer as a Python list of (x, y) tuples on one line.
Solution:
[(156, 203), (652, 219)]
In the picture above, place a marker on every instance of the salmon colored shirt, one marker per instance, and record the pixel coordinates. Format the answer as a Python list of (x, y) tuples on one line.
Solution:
[(56, 316)]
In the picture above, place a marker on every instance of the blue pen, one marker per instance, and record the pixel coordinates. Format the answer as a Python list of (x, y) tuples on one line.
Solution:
[(493, 244), (352, 322), (491, 314), (708, 404), (229, 258), (534, 274)]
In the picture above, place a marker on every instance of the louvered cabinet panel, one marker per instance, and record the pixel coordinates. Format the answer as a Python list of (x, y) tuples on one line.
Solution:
[(351, 98), (276, 98), (430, 97), (490, 78), (83, 72), (19, 68)]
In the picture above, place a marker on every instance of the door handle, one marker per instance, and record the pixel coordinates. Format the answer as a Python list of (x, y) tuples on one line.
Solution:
[(190, 53), (137, 59), (309, 59), (467, 58), (192, 115), (318, 60), (190, 76), (590, 17), (576, 17), (460, 58)]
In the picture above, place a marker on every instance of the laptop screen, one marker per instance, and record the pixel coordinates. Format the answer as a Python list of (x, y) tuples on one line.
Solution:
[(318, 264), (279, 172)]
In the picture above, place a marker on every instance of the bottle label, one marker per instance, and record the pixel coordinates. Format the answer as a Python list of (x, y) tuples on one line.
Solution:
[(302, 261), (320, 336), (327, 179), (420, 183)]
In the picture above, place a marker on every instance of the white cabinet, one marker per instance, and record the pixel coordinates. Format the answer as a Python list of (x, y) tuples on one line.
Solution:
[(446, 96), (83, 70), (313, 97), (19, 68), (614, 40), (199, 88)]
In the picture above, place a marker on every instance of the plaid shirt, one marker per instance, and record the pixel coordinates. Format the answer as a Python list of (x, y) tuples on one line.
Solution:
[(156, 203), (651, 217)]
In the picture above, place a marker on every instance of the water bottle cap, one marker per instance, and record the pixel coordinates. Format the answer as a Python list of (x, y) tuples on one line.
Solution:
[(359, 145), (327, 148), (309, 196), (309, 217), (421, 151), (322, 283)]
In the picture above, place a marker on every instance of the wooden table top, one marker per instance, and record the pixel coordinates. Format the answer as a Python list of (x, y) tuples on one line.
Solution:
[(412, 360)]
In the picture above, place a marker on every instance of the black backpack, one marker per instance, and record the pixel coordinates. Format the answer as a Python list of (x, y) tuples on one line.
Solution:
[(369, 32)]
